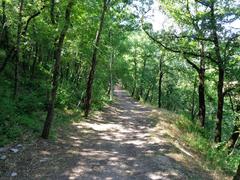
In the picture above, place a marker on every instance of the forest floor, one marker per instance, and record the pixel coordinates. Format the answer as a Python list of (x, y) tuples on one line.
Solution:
[(127, 140)]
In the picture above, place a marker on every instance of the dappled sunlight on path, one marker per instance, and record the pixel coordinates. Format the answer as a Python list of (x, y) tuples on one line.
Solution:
[(114, 144)]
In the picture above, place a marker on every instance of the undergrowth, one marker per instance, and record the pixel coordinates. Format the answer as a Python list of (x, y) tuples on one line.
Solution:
[(199, 139), (22, 118)]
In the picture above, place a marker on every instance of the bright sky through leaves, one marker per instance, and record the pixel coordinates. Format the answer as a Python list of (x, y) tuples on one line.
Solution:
[(160, 21)]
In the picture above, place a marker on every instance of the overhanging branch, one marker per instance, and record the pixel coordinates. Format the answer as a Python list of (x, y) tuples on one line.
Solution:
[(175, 50), (30, 19)]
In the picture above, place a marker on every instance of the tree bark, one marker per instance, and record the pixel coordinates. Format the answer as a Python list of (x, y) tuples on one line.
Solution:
[(4, 34), (34, 62), (110, 92), (111, 77), (201, 88), (16, 68), (57, 57), (142, 78), (236, 130), (221, 71), (147, 94), (52, 14), (234, 137), (135, 91), (193, 100), (218, 130), (87, 104), (160, 83), (11, 54)]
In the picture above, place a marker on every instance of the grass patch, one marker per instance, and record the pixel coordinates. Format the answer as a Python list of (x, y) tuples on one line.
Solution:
[(215, 155)]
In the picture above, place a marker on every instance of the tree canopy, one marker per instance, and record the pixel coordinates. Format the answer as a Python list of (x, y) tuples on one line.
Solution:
[(57, 56)]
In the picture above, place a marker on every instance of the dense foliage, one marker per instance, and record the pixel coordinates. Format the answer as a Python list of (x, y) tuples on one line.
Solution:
[(68, 55)]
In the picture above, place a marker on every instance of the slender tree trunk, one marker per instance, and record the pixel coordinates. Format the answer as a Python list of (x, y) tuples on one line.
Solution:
[(142, 78), (147, 94), (160, 83), (57, 57), (234, 137), (16, 69), (135, 91), (201, 94), (78, 74), (201, 88), (34, 62), (236, 130), (87, 104), (151, 96), (220, 95), (193, 100), (134, 79), (221, 70), (110, 92), (4, 34), (52, 9), (111, 76), (11, 54)]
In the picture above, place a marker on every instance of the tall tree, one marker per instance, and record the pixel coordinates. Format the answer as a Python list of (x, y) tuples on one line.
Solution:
[(17, 58), (55, 78), (161, 73), (87, 103)]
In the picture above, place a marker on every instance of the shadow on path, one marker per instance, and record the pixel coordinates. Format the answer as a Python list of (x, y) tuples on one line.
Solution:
[(113, 144)]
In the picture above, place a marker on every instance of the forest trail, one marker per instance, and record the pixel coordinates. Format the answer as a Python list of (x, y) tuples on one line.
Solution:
[(114, 144)]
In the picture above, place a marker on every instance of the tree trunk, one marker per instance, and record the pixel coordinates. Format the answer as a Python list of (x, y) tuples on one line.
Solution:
[(151, 96), (11, 54), (110, 93), (201, 88), (142, 78), (34, 62), (234, 137), (133, 91), (201, 94), (4, 34), (87, 104), (111, 77), (147, 94), (193, 100), (52, 14), (220, 95), (160, 83), (57, 57), (236, 130), (16, 69), (221, 70)]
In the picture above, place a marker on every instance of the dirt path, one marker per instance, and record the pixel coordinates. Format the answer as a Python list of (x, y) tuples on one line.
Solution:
[(114, 144)]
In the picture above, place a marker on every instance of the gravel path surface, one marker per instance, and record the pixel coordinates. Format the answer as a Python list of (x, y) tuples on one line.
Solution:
[(113, 144)]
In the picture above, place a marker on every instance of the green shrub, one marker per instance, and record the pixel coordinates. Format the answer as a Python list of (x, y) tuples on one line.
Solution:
[(216, 155)]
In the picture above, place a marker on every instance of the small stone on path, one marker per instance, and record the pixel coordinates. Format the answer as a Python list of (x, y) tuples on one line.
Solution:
[(3, 157), (13, 174), (3, 149), (14, 150), (43, 159), (19, 146)]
